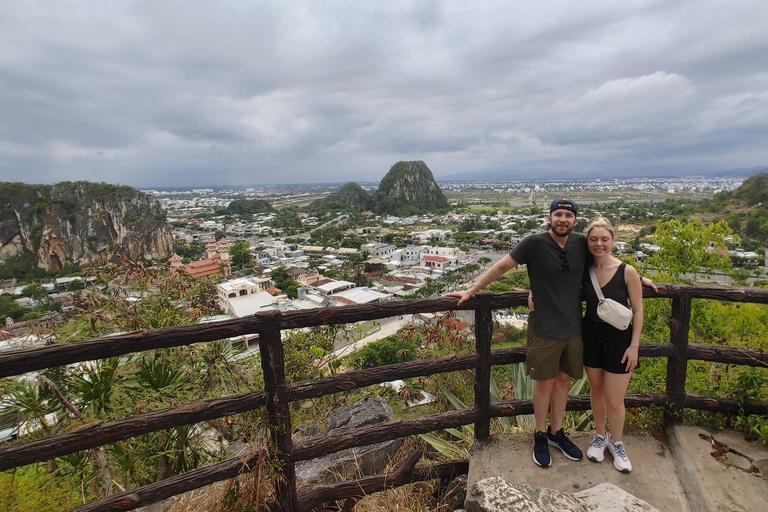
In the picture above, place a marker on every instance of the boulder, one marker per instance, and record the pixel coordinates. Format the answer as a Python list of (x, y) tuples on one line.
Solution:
[(607, 497), (354, 462), (498, 494)]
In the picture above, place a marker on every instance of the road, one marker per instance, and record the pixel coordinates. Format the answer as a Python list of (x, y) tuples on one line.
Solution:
[(389, 326)]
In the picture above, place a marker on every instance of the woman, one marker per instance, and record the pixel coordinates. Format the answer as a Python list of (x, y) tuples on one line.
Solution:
[(610, 354)]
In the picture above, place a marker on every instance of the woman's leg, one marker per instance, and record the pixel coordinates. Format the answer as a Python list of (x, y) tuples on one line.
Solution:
[(615, 387), (597, 397)]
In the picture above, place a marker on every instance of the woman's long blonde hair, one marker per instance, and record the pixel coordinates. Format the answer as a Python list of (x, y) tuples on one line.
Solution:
[(600, 222)]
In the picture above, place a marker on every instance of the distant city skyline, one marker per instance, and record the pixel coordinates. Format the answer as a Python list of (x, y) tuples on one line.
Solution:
[(195, 94)]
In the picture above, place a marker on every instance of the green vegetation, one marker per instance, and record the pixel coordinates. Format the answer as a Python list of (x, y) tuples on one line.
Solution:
[(117, 387), (397, 349), (747, 207), (248, 207), (689, 248), (409, 188), (284, 282), (351, 198), (240, 253)]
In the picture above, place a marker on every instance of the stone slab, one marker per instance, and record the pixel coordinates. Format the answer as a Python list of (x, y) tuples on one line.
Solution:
[(712, 484), (653, 478), (607, 497)]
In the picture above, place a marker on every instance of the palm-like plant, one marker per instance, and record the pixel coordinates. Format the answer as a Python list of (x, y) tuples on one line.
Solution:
[(523, 388)]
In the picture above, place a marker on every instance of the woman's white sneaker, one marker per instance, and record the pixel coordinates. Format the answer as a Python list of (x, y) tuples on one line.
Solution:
[(596, 449), (620, 459)]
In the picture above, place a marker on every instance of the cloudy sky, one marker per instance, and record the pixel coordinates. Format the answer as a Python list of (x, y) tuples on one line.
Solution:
[(238, 92)]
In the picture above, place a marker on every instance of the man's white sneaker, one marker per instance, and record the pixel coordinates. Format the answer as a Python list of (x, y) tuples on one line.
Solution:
[(620, 459), (596, 448)]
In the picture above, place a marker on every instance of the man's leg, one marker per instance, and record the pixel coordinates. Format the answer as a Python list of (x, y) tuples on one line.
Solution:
[(542, 392), (556, 436), (558, 399)]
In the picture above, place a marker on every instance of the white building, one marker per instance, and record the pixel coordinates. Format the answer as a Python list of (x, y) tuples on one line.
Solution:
[(238, 288)]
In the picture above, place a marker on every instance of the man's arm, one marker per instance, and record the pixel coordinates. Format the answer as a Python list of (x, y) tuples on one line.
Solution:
[(505, 264)]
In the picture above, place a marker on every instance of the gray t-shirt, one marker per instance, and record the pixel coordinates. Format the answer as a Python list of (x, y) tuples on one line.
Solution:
[(556, 291)]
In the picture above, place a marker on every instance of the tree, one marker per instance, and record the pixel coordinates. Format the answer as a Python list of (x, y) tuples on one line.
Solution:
[(690, 247), (240, 252), (35, 291), (485, 260)]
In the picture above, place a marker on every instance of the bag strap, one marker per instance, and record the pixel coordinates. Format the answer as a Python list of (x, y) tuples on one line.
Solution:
[(595, 284)]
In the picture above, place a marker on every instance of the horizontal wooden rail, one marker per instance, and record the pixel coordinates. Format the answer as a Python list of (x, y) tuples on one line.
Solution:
[(173, 486), (728, 355), (507, 408), (99, 433), (723, 405), (395, 429), (312, 496), (357, 379), (17, 362)]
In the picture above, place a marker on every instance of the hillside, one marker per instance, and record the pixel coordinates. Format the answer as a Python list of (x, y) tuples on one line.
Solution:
[(79, 223), (350, 198), (248, 206), (409, 188), (746, 207)]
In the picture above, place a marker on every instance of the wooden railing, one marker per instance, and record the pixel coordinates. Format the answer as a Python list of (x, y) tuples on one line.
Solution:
[(277, 393)]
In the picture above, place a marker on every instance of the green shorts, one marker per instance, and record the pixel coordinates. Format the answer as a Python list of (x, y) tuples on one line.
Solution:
[(546, 358)]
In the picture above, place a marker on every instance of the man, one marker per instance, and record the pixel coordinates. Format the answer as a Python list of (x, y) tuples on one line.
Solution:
[(556, 261)]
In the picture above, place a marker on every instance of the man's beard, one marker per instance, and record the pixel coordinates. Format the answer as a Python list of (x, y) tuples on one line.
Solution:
[(561, 230)]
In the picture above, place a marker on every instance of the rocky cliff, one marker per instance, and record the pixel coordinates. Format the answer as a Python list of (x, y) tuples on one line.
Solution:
[(409, 188), (80, 223)]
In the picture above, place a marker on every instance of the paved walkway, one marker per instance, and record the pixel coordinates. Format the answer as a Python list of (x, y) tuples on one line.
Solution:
[(389, 326), (674, 473)]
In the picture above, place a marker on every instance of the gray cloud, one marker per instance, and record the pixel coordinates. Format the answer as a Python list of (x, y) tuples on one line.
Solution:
[(204, 93)]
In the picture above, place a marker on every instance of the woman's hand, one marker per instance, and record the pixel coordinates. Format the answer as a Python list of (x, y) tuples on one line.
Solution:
[(649, 283), (630, 357), (530, 301)]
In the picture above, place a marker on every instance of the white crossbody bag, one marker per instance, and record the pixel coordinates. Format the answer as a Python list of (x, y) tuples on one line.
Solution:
[(610, 311)]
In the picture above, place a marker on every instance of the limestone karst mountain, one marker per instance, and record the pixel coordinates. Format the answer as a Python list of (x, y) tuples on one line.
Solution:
[(80, 223), (409, 188)]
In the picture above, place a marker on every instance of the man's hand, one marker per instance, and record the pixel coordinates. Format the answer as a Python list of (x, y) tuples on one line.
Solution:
[(463, 296)]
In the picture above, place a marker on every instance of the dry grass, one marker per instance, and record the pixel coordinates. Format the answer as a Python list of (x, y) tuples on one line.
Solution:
[(248, 492), (418, 496)]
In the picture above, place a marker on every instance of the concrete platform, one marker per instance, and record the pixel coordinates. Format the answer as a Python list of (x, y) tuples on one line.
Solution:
[(720, 470), (681, 475), (653, 478)]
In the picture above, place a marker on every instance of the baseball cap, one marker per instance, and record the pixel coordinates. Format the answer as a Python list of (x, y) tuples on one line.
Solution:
[(560, 203)]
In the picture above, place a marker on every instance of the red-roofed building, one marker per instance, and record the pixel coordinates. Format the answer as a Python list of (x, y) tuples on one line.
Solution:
[(217, 262), (435, 261)]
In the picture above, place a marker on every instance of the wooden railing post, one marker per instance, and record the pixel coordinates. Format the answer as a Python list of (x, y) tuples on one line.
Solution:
[(276, 388), (677, 364), (483, 333)]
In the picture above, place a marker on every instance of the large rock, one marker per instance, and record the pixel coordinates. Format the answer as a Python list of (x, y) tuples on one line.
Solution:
[(496, 494), (607, 497), (354, 462), (80, 223)]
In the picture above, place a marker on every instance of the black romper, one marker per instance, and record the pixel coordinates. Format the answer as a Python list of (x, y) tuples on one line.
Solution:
[(604, 345)]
